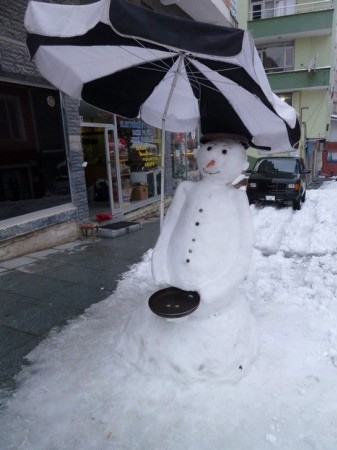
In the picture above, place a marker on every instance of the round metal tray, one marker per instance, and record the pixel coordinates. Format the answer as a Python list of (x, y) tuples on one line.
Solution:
[(174, 303)]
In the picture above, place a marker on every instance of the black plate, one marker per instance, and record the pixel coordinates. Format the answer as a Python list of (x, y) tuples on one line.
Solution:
[(173, 303)]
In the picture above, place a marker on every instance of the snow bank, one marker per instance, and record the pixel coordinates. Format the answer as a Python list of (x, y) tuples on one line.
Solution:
[(86, 389)]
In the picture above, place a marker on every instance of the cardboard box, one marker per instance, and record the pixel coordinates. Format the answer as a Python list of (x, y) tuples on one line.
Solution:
[(140, 192)]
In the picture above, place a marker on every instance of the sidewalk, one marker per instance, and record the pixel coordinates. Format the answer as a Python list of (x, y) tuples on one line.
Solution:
[(43, 290)]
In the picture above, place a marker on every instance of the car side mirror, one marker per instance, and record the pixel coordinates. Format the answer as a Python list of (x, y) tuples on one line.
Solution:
[(306, 171), (248, 171)]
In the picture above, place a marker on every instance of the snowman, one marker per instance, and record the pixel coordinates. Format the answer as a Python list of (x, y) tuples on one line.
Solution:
[(205, 246), (206, 240)]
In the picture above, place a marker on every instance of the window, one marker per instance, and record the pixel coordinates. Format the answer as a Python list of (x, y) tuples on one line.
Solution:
[(233, 8), (287, 97), (272, 165), (11, 123), (33, 167), (256, 11), (264, 9), (332, 157), (277, 57)]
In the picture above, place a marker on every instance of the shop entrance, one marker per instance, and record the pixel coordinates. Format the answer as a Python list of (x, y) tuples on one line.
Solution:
[(103, 160)]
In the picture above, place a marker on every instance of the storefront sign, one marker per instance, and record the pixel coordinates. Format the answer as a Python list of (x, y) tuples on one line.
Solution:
[(141, 132), (148, 159)]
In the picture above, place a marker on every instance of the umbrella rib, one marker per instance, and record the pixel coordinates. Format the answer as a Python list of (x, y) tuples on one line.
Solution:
[(198, 80), (154, 65), (198, 84), (165, 64), (161, 68)]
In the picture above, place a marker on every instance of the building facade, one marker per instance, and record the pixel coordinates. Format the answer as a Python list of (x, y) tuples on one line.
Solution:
[(296, 42), (62, 162)]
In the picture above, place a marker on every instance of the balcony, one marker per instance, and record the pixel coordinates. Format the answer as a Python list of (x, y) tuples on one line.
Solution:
[(212, 11), (298, 80), (257, 12), (313, 23)]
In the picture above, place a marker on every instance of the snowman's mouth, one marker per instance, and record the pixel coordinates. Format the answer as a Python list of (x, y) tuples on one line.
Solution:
[(210, 173)]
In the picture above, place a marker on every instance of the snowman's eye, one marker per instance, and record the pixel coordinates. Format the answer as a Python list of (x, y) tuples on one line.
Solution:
[(209, 148), (224, 151)]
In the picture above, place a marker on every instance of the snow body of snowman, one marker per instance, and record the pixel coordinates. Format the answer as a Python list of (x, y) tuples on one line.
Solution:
[(206, 240), (204, 245)]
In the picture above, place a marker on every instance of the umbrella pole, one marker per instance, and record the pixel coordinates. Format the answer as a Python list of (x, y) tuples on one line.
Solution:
[(162, 178), (163, 128)]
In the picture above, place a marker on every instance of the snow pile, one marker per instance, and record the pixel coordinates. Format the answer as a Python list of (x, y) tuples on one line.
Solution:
[(91, 388), (216, 348)]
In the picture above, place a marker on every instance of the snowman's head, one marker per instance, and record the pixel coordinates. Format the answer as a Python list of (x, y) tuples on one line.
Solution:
[(221, 160)]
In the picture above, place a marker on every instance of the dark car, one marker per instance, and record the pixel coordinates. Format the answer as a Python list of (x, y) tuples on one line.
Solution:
[(278, 179)]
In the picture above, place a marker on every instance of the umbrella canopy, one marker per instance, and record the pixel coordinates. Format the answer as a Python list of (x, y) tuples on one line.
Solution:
[(173, 73)]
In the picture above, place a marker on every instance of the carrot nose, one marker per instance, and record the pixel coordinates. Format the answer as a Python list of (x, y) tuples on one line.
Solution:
[(211, 163)]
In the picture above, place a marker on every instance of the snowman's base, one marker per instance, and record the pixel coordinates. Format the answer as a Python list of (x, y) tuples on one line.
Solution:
[(174, 303), (215, 348)]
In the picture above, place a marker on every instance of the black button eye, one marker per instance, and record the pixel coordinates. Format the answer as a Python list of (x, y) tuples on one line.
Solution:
[(224, 151), (209, 148)]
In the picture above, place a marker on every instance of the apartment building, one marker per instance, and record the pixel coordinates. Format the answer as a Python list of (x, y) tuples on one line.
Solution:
[(296, 41)]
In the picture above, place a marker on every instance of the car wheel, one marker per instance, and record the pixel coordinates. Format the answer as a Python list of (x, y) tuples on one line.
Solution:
[(297, 204), (303, 197), (251, 201)]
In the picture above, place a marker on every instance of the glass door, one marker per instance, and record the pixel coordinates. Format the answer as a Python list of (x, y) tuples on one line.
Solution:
[(102, 171), (119, 171)]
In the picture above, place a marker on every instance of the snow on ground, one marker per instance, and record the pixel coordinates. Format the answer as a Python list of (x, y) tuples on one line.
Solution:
[(85, 391)]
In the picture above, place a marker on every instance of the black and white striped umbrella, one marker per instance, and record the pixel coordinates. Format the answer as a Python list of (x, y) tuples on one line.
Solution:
[(173, 73)]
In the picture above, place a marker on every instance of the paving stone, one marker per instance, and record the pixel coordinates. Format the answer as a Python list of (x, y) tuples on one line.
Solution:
[(44, 289)]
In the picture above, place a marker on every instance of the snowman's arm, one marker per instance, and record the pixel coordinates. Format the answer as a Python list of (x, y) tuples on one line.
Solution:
[(159, 255), (176, 207), (173, 213)]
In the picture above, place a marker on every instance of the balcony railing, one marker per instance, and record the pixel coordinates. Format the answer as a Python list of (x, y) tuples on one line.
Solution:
[(279, 11)]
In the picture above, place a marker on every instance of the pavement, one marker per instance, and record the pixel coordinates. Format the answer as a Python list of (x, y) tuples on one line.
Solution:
[(41, 291)]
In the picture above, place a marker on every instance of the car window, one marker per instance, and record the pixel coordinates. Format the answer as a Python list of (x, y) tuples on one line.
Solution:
[(273, 165)]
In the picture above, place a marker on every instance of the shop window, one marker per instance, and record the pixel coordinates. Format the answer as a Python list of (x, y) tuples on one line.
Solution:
[(143, 143), (184, 165), (33, 168), (11, 122)]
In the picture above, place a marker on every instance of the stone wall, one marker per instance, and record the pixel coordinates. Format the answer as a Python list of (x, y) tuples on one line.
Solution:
[(15, 66), (75, 157)]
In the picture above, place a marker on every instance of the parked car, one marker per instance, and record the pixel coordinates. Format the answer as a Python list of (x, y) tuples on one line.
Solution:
[(278, 179)]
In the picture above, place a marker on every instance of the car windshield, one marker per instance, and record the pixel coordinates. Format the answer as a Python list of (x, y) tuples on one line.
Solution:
[(275, 165)]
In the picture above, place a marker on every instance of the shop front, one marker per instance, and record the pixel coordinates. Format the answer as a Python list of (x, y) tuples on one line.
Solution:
[(122, 162)]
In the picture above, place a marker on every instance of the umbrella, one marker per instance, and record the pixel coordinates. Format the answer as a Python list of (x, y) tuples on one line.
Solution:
[(175, 74)]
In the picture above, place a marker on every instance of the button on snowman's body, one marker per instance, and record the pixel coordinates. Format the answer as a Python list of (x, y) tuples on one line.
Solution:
[(206, 239)]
